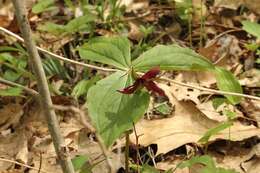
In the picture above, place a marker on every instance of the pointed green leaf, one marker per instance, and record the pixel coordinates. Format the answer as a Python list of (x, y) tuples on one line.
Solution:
[(214, 131), (82, 87), (75, 25), (205, 160), (79, 161), (111, 112), (209, 165), (13, 91), (252, 28), (216, 102), (52, 28), (43, 5), (171, 57), (79, 23), (113, 51), (227, 82)]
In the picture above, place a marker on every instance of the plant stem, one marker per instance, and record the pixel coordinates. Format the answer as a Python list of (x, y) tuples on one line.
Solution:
[(190, 29), (45, 99), (201, 24), (127, 152), (138, 157), (24, 165)]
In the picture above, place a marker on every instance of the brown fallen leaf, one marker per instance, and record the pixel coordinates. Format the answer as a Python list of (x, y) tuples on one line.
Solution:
[(183, 93), (252, 166), (218, 114), (251, 108), (13, 146), (46, 163), (234, 4), (250, 78), (10, 115), (135, 33), (187, 125)]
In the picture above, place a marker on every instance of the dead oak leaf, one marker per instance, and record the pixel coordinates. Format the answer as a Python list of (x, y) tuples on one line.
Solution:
[(187, 125)]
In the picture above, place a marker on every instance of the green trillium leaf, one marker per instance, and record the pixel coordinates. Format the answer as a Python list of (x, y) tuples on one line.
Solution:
[(111, 112), (113, 51), (171, 57), (227, 82)]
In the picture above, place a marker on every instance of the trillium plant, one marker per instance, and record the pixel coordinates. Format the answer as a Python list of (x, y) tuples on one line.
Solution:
[(122, 98)]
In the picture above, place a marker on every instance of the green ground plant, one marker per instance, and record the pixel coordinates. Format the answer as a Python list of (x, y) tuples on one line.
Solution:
[(207, 162), (113, 113)]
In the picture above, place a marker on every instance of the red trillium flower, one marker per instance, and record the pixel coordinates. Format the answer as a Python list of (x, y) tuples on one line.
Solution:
[(145, 81)]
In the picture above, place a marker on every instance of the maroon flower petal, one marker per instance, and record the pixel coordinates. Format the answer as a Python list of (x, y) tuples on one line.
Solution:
[(151, 73), (151, 86), (145, 80), (130, 89)]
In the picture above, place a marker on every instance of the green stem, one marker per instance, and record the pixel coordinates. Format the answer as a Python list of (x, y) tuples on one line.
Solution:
[(127, 152)]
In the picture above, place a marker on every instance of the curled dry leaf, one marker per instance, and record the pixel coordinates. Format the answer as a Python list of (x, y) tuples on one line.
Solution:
[(187, 125)]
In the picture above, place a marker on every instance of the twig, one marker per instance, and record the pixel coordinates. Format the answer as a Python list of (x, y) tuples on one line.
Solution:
[(58, 56), (74, 109), (106, 153), (92, 129), (208, 89), (151, 154), (77, 111), (24, 165), (40, 165), (127, 141), (138, 157), (113, 70), (45, 98), (26, 89)]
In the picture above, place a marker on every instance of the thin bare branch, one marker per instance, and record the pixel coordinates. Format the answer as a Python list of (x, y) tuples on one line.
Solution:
[(58, 56), (28, 90), (208, 89), (24, 165), (45, 98), (89, 126)]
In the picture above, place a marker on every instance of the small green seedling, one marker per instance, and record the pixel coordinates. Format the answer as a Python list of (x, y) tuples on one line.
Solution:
[(207, 162)]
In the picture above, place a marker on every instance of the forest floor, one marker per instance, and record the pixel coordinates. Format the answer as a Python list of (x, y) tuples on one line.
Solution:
[(225, 32)]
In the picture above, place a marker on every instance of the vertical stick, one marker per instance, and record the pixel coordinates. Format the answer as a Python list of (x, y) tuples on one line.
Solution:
[(127, 152), (190, 28), (202, 24), (46, 102)]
